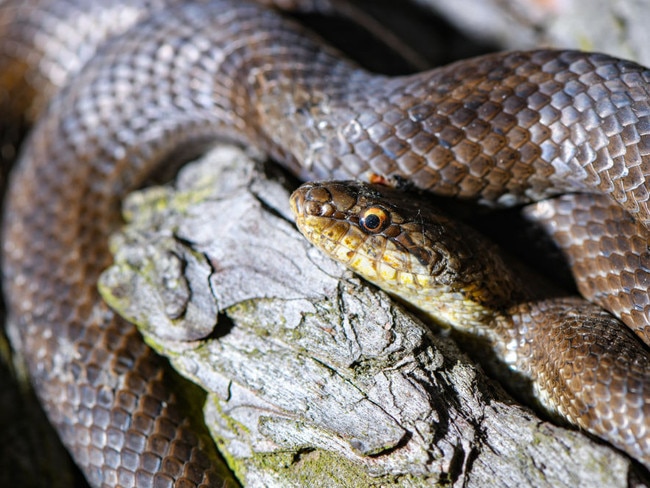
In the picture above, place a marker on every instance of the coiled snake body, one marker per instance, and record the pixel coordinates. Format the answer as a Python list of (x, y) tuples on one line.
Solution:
[(502, 129)]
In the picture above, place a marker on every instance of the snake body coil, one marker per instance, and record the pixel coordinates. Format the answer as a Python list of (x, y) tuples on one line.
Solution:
[(503, 129)]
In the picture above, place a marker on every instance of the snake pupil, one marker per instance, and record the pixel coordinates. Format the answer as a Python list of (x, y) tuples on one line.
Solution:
[(372, 222)]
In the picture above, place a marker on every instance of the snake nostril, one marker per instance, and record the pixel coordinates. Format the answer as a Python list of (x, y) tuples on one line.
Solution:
[(313, 208)]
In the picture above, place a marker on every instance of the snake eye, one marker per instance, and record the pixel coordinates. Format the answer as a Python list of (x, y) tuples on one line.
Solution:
[(374, 220)]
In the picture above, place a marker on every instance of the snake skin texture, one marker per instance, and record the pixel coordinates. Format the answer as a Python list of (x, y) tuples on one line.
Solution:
[(607, 251), (576, 361), (502, 129), (45, 42)]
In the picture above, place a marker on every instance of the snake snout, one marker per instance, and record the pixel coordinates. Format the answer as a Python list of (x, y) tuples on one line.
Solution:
[(304, 205), (312, 200), (297, 201)]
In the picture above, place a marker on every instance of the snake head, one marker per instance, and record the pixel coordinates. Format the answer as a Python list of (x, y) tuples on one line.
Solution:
[(407, 247)]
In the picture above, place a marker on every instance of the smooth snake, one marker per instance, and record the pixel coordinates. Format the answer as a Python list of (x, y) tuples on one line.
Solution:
[(502, 129)]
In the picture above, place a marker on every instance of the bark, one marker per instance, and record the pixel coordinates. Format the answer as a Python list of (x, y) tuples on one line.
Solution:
[(617, 27), (314, 377)]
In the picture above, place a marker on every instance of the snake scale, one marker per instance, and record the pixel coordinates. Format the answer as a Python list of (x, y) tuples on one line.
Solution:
[(502, 129)]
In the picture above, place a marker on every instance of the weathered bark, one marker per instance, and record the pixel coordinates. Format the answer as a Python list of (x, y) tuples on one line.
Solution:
[(314, 377), (617, 27)]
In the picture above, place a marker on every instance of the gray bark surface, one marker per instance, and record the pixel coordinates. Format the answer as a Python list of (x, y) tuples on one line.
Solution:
[(315, 378), (617, 27)]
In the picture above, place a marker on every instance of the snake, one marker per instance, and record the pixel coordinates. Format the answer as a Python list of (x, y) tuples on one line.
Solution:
[(564, 354), (167, 77)]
